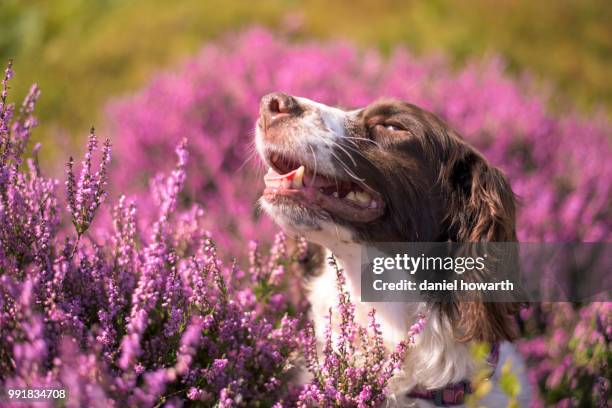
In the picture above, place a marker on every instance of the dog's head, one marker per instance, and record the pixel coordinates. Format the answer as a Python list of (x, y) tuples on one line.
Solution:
[(387, 172)]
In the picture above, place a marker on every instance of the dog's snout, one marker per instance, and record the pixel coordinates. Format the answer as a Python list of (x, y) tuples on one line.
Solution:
[(275, 105)]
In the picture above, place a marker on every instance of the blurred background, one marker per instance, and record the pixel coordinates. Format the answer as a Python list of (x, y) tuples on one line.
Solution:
[(81, 52)]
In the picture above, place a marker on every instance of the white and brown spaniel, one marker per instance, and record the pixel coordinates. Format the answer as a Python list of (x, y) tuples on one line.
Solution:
[(393, 172)]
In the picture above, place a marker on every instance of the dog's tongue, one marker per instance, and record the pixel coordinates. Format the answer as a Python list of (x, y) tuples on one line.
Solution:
[(273, 179), (297, 179)]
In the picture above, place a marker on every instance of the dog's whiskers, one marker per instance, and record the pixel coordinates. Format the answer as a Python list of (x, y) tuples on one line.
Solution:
[(340, 161), (346, 168), (361, 139), (314, 158)]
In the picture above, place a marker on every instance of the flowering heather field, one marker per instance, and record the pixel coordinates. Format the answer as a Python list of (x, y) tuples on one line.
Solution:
[(146, 307), (558, 164)]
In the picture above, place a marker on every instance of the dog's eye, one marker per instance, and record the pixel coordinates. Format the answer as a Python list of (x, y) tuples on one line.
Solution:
[(381, 128), (393, 127)]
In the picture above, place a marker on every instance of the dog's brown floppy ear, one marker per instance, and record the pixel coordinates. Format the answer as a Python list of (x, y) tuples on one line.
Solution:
[(482, 204), (482, 209)]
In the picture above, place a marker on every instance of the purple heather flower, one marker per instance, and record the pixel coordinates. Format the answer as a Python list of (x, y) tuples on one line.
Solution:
[(86, 195), (352, 373)]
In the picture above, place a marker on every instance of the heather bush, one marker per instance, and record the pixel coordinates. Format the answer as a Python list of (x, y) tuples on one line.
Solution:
[(355, 368), (124, 317), (573, 364)]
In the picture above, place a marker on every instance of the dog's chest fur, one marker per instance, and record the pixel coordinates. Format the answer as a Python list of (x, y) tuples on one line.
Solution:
[(434, 361)]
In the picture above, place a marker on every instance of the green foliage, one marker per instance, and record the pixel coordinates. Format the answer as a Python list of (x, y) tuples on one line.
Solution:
[(508, 381), (482, 386), (509, 384)]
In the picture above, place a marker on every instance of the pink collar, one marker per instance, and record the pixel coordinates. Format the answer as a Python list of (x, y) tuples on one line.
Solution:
[(454, 394)]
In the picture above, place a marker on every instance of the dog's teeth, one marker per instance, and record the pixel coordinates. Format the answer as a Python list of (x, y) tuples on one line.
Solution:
[(335, 194), (351, 196), (363, 197), (373, 204), (298, 178)]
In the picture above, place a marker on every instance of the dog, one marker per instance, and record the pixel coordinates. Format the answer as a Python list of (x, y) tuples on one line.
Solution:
[(393, 172)]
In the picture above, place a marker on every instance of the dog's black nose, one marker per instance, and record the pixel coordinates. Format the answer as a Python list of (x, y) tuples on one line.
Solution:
[(275, 105)]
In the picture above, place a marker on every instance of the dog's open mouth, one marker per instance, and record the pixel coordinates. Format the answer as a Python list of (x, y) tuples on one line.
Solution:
[(349, 200)]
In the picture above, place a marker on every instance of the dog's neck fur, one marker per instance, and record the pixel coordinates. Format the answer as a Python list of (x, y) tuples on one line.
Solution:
[(435, 360)]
